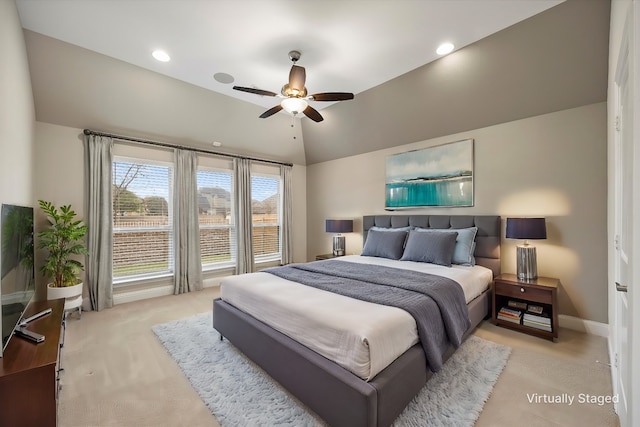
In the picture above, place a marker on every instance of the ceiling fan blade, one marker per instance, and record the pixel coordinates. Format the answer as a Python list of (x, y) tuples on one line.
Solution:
[(313, 114), (332, 96), (297, 78), (255, 91), (271, 111)]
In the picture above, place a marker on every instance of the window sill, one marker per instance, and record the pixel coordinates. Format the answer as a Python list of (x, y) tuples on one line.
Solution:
[(268, 263), (155, 279)]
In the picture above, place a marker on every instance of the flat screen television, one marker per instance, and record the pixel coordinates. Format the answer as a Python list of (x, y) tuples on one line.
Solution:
[(16, 265)]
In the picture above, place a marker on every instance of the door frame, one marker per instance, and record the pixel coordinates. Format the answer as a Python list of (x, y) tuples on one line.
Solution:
[(632, 35)]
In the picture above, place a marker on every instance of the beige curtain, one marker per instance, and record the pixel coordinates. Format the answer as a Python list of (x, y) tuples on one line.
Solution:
[(186, 236), (287, 214), (98, 265), (244, 225)]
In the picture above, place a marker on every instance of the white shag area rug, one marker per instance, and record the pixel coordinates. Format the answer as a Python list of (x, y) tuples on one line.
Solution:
[(239, 393)]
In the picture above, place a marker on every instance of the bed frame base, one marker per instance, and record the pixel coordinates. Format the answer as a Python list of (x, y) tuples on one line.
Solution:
[(335, 394)]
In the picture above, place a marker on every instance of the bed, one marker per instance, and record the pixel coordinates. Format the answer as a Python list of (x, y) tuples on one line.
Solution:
[(337, 393)]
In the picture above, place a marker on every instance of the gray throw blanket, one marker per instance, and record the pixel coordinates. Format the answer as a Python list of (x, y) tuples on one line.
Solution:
[(436, 303)]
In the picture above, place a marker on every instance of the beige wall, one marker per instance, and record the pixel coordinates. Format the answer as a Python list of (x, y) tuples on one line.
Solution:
[(552, 165), (59, 177), (17, 114)]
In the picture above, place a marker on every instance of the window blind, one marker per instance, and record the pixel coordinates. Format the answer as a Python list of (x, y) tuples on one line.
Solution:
[(217, 228), (266, 216), (142, 219)]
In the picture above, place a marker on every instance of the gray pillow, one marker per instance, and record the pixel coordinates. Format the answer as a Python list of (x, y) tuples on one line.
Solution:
[(465, 244), (385, 229), (429, 246), (384, 244)]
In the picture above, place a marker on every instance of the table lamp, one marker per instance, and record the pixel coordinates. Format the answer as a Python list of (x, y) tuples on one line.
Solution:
[(527, 229), (339, 226)]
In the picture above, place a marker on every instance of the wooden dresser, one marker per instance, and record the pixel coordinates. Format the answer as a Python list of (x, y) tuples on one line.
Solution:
[(28, 371)]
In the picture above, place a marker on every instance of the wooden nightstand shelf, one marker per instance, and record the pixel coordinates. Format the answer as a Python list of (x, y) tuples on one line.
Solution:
[(541, 292), (325, 256)]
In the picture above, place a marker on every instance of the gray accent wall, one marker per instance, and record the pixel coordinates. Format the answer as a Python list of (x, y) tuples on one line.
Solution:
[(553, 165)]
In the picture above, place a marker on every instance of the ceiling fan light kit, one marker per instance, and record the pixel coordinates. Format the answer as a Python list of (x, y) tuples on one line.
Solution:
[(294, 105), (295, 95)]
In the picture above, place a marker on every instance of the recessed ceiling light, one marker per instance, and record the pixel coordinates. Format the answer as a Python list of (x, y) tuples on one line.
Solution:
[(161, 55), (216, 144), (445, 48)]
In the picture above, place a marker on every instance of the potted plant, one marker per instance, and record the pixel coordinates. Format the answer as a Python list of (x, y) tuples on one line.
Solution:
[(63, 240)]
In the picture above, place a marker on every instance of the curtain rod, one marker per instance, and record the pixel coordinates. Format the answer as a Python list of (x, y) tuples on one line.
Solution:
[(182, 147)]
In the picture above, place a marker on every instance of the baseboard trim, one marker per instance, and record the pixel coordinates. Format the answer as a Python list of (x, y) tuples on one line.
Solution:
[(583, 325)]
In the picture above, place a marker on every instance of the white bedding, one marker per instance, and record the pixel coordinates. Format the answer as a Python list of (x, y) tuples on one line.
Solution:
[(362, 337)]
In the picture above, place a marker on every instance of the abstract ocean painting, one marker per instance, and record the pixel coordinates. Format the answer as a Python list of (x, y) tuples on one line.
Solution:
[(434, 176)]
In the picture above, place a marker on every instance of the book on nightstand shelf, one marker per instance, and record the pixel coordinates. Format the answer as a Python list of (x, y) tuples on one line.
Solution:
[(541, 318), (517, 305), (510, 315), (534, 309), (539, 321), (537, 325)]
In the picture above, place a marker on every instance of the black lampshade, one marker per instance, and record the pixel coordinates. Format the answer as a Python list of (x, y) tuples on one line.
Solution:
[(526, 228), (339, 226)]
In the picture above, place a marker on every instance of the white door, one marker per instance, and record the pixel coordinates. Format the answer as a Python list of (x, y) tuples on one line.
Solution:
[(623, 239), (625, 327)]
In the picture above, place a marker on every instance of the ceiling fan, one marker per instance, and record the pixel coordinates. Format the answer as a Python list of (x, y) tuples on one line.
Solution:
[(294, 94)]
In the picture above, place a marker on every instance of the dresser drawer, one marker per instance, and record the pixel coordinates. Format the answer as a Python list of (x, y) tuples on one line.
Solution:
[(524, 292)]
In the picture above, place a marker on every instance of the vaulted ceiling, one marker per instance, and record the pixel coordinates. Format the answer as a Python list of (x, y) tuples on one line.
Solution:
[(90, 67)]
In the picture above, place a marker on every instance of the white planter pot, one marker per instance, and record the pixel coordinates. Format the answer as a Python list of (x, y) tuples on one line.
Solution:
[(71, 294)]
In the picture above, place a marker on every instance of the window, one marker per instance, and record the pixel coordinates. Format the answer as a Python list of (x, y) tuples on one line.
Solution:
[(142, 219), (265, 211), (217, 228)]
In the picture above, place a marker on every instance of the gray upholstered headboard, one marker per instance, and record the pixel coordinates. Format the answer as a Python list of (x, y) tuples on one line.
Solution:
[(487, 251)]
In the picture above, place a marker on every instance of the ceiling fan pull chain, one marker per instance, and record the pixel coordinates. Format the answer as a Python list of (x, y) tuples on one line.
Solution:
[(293, 122)]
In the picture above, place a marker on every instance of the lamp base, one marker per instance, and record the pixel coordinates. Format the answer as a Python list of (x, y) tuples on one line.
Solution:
[(338, 245), (527, 262)]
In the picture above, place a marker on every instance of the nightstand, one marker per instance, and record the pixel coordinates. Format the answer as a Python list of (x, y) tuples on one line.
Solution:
[(325, 256), (541, 292)]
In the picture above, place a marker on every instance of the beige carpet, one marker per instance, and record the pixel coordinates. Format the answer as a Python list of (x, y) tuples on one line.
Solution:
[(118, 374)]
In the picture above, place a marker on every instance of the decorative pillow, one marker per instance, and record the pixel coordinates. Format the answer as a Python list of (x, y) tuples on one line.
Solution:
[(465, 244), (385, 229), (427, 246), (384, 244)]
